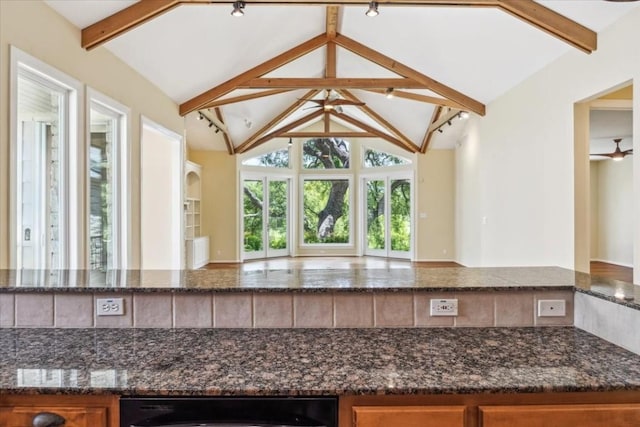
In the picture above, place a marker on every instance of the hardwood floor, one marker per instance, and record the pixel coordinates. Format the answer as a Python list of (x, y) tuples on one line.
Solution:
[(315, 263), (611, 271)]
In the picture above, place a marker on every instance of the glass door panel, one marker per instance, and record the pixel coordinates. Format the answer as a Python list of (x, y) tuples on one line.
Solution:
[(278, 232), (253, 218), (400, 218), (388, 218), (375, 217)]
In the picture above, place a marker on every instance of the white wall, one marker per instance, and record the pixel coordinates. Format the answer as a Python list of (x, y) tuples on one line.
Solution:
[(521, 177), (612, 193), (161, 200)]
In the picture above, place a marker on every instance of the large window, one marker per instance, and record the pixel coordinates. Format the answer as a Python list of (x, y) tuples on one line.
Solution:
[(325, 153), (340, 206), (326, 211), (44, 152), (107, 173), (68, 204)]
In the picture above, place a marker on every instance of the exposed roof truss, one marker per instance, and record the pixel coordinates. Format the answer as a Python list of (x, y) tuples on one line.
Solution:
[(448, 103)]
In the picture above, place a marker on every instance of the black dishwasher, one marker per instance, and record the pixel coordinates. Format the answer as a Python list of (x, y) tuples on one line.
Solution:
[(229, 412)]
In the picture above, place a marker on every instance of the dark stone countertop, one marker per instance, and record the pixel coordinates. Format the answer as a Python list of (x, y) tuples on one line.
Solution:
[(338, 279), (342, 278), (190, 362)]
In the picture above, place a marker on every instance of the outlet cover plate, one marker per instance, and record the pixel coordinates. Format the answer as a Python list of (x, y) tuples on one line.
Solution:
[(444, 307), (110, 307), (551, 308)]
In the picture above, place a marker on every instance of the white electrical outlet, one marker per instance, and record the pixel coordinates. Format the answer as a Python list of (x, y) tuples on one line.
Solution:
[(110, 307), (444, 307), (551, 308)]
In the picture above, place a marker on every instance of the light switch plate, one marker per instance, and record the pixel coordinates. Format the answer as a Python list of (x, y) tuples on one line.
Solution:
[(551, 308), (444, 307)]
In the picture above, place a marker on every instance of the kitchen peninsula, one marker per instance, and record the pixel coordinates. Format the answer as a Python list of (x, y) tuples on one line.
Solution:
[(378, 349)]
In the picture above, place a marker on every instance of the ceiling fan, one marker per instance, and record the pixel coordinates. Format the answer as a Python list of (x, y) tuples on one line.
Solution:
[(618, 154), (332, 102)]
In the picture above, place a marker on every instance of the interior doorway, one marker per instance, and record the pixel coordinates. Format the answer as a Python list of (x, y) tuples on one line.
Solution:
[(605, 183)]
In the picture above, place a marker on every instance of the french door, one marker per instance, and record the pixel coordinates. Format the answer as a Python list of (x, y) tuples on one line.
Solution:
[(265, 212), (387, 216)]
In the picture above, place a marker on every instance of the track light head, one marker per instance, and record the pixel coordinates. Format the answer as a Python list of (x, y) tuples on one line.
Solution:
[(373, 9), (464, 115), (200, 116), (217, 129), (449, 122), (440, 130), (238, 7), (290, 142), (210, 124), (389, 93)]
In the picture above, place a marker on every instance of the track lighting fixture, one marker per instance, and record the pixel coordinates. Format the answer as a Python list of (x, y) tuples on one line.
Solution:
[(460, 115), (238, 7), (202, 116), (290, 142), (389, 93), (373, 9)]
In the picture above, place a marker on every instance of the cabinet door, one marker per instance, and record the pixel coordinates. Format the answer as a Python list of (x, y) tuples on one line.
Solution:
[(610, 415), (18, 416), (409, 416)]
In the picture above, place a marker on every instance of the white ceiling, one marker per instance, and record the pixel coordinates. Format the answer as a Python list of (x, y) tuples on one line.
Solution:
[(605, 126), (479, 52)]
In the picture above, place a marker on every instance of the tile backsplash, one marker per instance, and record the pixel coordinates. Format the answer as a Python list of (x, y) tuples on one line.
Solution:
[(280, 310)]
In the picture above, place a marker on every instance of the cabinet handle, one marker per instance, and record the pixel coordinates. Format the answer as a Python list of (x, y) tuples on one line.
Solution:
[(48, 419)]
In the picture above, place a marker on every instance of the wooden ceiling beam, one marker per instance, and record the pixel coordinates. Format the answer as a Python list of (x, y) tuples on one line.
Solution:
[(257, 71), (273, 122), (403, 70), (419, 97), (329, 83), (528, 11), (225, 135), (248, 97), (331, 64), (328, 134), (552, 22), (332, 20), (373, 130), (428, 135), (449, 115), (285, 129), (124, 20), (409, 145)]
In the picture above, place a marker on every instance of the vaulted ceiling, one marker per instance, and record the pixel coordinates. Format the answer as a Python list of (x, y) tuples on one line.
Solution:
[(253, 76)]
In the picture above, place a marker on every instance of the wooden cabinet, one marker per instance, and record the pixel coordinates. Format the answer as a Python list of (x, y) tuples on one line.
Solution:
[(409, 416), (594, 415), (565, 409), (77, 411)]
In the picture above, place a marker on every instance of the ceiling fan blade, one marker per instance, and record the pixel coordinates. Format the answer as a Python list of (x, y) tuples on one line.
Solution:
[(602, 154), (344, 102), (628, 152), (320, 102), (313, 106)]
